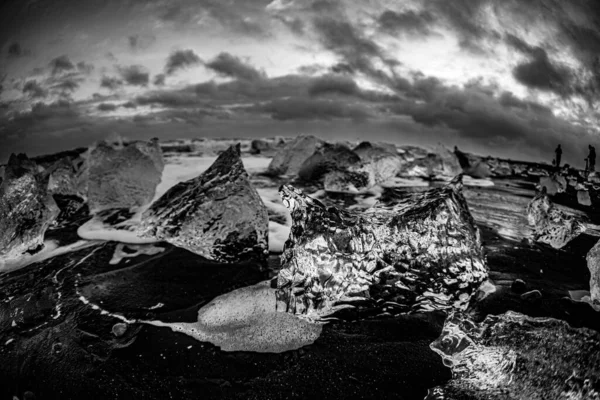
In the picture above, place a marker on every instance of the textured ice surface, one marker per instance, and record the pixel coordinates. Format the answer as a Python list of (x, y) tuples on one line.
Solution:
[(121, 176), (290, 158), (63, 177), (26, 207), (513, 356), (327, 158), (218, 215), (421, 252), (593, 263), (439, 163), (554, 184), (551, 225), (103, 226)]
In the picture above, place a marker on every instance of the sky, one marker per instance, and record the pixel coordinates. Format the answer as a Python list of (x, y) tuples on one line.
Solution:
[(507, 78)]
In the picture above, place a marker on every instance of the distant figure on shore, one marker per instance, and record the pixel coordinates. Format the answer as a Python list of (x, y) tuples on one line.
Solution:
[(558, 152), (463, 160), (592, 159)]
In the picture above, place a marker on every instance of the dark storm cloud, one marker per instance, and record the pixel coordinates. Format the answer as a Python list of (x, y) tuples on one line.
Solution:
[(135, 75), (61, 64), (140, 42), (242, 17), (541, 73), (85, 68), (15, 50), (42, 116), (480, 117), (169, 99), (34, 89), (410, 22), (107, 107), (231, 66), (181, 59), (129, 104), (311, 109), (66, 86), (296, 25), (159, 80), (464, 16), (111, 83), (358, 52), (333, 84)]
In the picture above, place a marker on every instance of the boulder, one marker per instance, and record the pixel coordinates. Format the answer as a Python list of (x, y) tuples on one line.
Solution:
[(583, 198), (288, 160), (593, 263), (121, 176), (417, 253), (26, 207), (218, 215), (328, 157), (514, 356), (551, 225)]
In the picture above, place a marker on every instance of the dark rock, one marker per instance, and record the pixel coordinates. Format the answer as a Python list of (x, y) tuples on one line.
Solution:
[(513, 356), (121, 176), (551, 225), (532, 295), (328, 157), (518, 286), (218, 215), (26, 207), (421, 252), (288, 160)]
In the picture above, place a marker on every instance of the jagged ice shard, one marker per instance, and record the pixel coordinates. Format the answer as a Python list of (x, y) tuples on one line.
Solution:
[(26, 207), (420, 253), (218, 215), (514, 356), (121, 176), (551, 225)]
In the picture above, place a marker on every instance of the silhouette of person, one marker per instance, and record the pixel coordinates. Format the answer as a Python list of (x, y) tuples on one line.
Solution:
[(592, 158), (558, 152), (463, 160)]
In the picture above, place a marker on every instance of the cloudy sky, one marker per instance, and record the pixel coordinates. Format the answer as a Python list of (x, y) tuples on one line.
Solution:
[(507, 78)]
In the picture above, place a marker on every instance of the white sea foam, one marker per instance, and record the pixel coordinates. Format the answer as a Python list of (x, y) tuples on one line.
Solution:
[(124, 232), (51, 249)]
